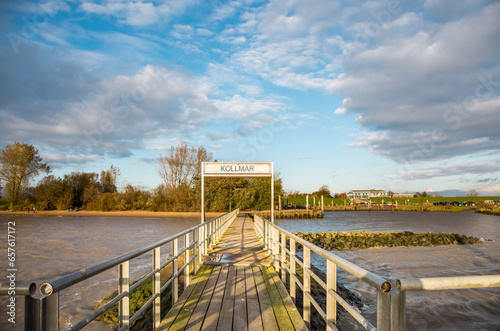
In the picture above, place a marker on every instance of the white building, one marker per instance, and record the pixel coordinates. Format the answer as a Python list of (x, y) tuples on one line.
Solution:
[(366, 194)]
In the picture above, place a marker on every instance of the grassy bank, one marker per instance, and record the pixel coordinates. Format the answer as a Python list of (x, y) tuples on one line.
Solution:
[(366, 239)]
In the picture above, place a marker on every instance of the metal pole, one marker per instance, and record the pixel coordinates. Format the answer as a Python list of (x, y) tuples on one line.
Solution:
[(186, 260), (331, 303), (383, 311), (307, 288), (283, 258), (272, 192), (202, 192), (175, 286), (50, 312), (292, 271), (398, 311), (124, 286), (156, 288), (31, 314)]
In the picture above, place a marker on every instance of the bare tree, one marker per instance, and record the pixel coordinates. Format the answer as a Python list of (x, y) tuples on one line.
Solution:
[(182, 166), (473, 193)]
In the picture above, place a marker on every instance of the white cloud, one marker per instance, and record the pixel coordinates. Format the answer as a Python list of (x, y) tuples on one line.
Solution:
[(137, 13)]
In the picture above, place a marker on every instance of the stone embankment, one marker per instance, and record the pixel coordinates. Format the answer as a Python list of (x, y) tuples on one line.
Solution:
[(366, 239)]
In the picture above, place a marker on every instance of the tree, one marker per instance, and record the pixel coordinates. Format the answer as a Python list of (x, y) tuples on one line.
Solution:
[(108, 179), (182, 166), (78, 182), (473, 193), (20, 162), (323, 190)]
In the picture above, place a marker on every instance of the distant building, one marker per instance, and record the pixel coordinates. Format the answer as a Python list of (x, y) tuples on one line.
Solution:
[(402, 195), (366, 194)]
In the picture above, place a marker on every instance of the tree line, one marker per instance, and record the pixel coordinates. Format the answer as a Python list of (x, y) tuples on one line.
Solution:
[(180, 190)]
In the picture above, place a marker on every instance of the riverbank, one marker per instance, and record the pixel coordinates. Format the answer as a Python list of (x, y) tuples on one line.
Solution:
[(127, 213)]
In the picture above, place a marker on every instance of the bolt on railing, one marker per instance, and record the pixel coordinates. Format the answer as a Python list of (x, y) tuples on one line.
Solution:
[(42, 303)]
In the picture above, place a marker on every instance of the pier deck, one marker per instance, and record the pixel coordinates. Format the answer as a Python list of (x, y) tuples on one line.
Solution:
[(239, 292)]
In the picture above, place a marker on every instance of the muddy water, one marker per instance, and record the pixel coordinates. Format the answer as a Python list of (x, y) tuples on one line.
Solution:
[(49, 247), (471, 309)]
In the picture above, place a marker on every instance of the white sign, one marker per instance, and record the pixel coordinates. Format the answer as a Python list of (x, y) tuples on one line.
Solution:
[(237, 169)]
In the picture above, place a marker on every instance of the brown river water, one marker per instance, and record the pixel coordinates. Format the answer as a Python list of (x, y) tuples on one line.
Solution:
[(48, 247)]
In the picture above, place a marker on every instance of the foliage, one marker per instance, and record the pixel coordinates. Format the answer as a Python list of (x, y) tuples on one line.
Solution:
[(323, 191), (108, 180), (486, 205), (19, 162)]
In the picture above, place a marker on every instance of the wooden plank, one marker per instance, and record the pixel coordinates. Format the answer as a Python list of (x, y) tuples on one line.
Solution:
[(212, 316), (253, 307), (266, 307), (196, 319), (240, 304), (182, 318), (175, 309), (280, 311), (250, 284), (225, 321), (295, 317)]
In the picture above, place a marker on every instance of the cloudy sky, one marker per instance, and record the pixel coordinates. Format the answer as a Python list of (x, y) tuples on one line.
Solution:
[(396, 95)]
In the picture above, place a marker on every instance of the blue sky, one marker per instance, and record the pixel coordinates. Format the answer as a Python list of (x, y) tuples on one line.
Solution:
[(395, 95)]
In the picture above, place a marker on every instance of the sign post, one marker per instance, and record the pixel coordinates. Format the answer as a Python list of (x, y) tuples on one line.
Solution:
[(235, 170)]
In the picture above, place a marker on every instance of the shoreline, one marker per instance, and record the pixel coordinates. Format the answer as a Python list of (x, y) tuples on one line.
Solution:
[(126, 213)]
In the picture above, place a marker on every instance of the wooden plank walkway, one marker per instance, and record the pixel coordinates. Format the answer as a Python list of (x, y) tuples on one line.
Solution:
[(240, 292)]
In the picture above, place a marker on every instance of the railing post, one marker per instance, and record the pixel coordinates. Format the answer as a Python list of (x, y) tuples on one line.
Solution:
[(31, 313), (156, 288), (186, 260), (124, 286), (175, 271), (383, 311), (50, 312), (276, 249), (307, 288), (283, 258), (331, 303), (398, 311), (196, 250), (292, 271)]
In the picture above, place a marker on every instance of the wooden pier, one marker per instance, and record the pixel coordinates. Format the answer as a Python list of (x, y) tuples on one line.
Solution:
[(238, 290)]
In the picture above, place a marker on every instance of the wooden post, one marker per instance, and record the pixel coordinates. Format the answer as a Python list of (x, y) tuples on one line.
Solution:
[(314, 202), (306, 305), (279, 203), (322, 204), (307, 205)]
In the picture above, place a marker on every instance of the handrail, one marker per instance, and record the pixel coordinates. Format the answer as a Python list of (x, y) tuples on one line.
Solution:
[(448, 283), (391, 295), (276, 238), (42, 306)]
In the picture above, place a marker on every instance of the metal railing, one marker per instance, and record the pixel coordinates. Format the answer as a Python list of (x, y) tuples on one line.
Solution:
[(42, 302), (391, 294)]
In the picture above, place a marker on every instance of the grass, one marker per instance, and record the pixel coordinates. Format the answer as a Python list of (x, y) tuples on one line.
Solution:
[(400, 201)]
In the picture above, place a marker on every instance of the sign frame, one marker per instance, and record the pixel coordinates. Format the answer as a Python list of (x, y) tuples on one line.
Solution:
[(236, 170)]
